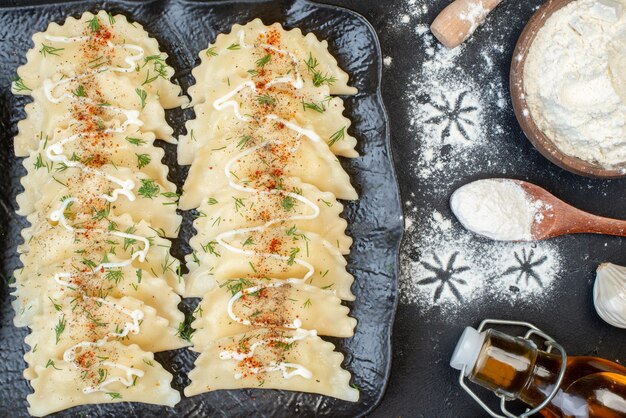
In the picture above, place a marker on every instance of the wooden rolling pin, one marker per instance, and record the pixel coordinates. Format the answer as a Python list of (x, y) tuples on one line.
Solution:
[(460, 19)]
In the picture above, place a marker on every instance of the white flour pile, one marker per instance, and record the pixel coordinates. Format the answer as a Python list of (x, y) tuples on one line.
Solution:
[(454, 111), (499, 209), (575, 80)]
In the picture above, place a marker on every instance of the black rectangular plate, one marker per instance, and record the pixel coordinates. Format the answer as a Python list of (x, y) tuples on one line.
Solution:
[(183, 28)]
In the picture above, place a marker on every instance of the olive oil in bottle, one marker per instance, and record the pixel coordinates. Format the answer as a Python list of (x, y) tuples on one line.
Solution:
[(515, 368)]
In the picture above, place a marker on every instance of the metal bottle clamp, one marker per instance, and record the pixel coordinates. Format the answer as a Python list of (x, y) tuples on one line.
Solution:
[(550, 344)]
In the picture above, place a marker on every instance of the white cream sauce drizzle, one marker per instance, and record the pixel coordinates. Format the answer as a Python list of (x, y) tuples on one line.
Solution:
[(297, 369), (55, 153), (225, 102), (130, 60), (129, 327)]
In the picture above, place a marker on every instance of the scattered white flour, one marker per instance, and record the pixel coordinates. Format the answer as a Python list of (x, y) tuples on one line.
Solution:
[(387, 61), (575, 80), (455, 105), (499, 209), (475, 15), (455, 267)]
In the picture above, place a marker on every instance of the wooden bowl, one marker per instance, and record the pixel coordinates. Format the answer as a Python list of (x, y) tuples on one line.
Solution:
[(536, 137)]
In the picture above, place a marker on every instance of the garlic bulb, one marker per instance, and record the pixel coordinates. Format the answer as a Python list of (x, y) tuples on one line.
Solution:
[(609, 294)]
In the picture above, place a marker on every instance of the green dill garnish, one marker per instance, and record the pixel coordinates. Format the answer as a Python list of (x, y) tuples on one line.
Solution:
[(102, 375), (57, 307), (135, 141), (18, 84), (327, 203), (209, 248), (210, 52), (49, 50), (59, 328), (167, 264), (239, 203), (128, 242), (114, 395), (320, 108), (284, 345), (253, 73), (97, 62), (39, 162), (248, 241), (237, 285), (171, 195), (88, 263), (143, 160), (50, 363), (100, 214), (149, 189), (111, 19), (288, 202), (292, 256), (243, 141), (79, 92), (318, 78), (212, 201), (114, 275), (234, 47), (149, 362), (142, 96), (337, 136), (94, 24), (262, 62), (184, 329), (307, 303), (266, 99), (158, 66), (149, 79)]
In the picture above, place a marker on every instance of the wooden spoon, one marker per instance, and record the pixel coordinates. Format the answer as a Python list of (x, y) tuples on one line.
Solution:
[(560, 218), (460, 19)]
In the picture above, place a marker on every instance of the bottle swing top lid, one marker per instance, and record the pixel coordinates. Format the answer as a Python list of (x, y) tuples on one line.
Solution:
[(467, 350)]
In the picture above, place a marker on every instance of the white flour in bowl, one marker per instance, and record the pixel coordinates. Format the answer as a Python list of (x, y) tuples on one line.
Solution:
[(575, 80)]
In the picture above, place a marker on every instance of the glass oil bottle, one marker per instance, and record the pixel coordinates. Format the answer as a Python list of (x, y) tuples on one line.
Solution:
[(554, 385)]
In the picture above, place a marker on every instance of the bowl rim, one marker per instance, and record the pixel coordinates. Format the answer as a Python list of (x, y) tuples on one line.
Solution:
[(535, 135)]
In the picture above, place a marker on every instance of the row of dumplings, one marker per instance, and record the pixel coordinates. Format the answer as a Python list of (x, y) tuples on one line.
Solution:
[(99, 289), (268, 256)]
